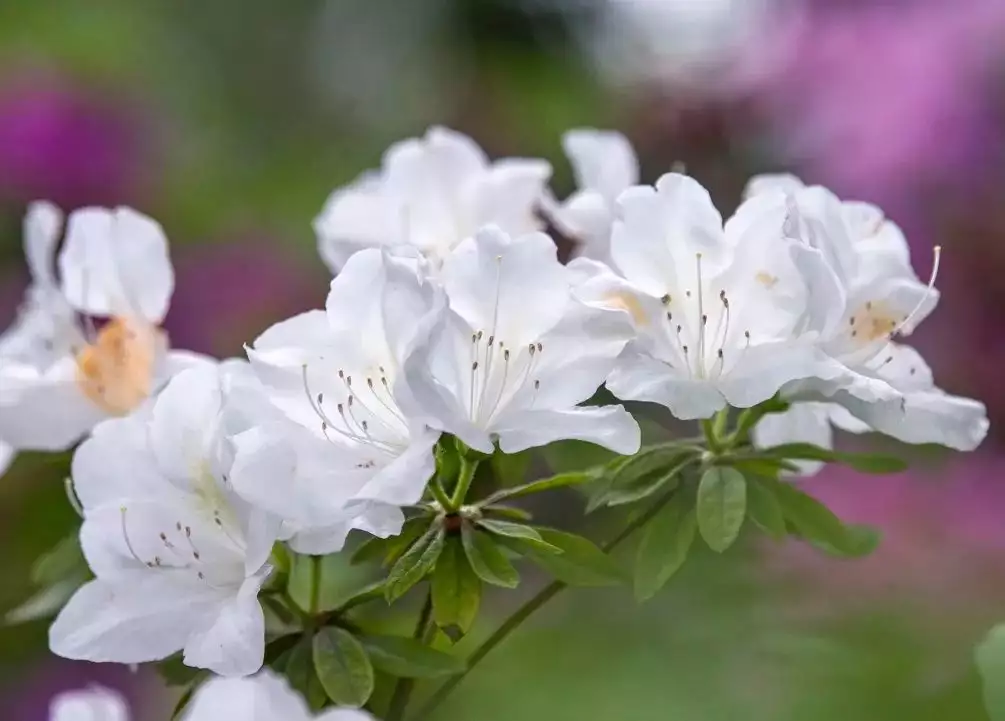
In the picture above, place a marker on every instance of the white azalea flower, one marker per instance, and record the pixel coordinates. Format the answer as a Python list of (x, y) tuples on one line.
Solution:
[(92, 704), (517, 353), (61, 375), (343, 446), (877, 384), (178, 556), (264, 697), (430, 193), (724, 315), (605, 165)]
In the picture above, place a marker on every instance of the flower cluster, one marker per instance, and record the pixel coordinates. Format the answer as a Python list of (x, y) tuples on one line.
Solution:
[(452, 333)]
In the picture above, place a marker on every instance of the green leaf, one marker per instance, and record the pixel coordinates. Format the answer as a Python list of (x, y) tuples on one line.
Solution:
[(629, 487), (814, 522), (456, 591), (580, 562), (174, 672), (511, 512), (343, 667), (518, 536), (448, 459), (566, 456), (56, 564), (765, 510), (299, 669), (417, 562), (990, 657), (863, 462), (722, 504), (486, 559), (859, 541), (391, 549), (509, 469), (664, 547), (562, 480), (183, 701), (408, 658), (47, 602)]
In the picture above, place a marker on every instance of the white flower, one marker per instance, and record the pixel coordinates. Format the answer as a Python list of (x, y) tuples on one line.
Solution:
[(604, 164), (724, 315), (92, 704), (264, 697), (343, 445), (517, 353), (430, 193), (178, 557), (60, 374), (886, 386)]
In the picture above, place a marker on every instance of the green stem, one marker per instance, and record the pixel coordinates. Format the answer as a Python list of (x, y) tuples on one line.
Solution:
[(467, 475), (404, 687), (315, 585), (436, 487), (527, 610)]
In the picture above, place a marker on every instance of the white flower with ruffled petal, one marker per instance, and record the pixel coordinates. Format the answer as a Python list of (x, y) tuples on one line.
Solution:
[(86, 345), (604, 165), (876, 383), (264, 697), (431, 193), (724, 315), (341, 444), (91, 704), (517, 353), (178, 557)]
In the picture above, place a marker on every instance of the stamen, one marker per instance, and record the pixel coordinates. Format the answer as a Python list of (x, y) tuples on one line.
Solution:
[(930, 288), (129, 544)]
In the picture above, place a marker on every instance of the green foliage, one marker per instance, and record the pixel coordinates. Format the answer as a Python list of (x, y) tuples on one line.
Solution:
[(456, 591), (389, 550), (409, 658), (57, 574), (415, 563), (562, 480), (299, 667), (487, 559), (722, 505), (765, 510), (990, 657), (510, 469), (580, 562), (664, 547), (342, 667), (862, 462), (517, 536)]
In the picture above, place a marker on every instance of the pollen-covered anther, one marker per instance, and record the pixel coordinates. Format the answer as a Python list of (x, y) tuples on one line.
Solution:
[(116, 370)]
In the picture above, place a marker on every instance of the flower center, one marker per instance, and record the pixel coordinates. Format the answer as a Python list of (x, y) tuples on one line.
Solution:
[(627, 302), (115, 371), (872, 321)]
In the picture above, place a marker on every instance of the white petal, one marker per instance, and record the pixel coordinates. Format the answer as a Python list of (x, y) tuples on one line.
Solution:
[(92, 704), (403, 481), (116, 263), (802, 423), (508, 195), (345, 714), (762, 370), (377, 519), (355, 217), (603, 161), (183, 426), (609, 426), (826, 301), (144, 617), (773, 182), (587, 218), (306, 330), (231, 642), (511, 288), (639, 377), (42, 224), (44, 410), (264, 697), (7, 456)]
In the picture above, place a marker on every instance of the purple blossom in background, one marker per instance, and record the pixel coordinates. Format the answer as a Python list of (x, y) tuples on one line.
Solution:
[(225, 293), (68, 145)]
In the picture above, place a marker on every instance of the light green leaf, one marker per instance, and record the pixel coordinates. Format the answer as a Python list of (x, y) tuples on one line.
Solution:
[(391, 549), (517, 536), (562, 480), (664, 547), (299, 670), (408, 658), (456, 591), (814, 522), (486, 559), (722, 504), (415, 564), (343, 667), (990, 657), (580, 562), (765, 510), (863, 462), (509, 469), (64, 559)]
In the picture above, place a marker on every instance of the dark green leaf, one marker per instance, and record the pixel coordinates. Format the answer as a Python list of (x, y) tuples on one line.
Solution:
[(408, 658), (391, 549), (343, 667), (412, 567), (448, 460), (722, 505), (183, 701), (524, 536), (664, 547), (990, 657), (770, 467), (580, 562), (815, 522), (649, 471), (456, 589), (299, 669), (567, 456), (859, 541), (863, 462), (509, 469), (765, 510), (174, 672), (562, 480), (510, 512), (486, 558), (64, 559)]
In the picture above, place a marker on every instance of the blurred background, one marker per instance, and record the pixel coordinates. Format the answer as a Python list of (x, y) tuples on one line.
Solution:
[(230, 122)]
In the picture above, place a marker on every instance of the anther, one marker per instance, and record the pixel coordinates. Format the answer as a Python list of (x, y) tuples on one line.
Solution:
[(665, 299), (506, 354)]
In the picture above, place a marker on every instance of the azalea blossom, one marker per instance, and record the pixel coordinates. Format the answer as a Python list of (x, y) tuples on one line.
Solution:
[(877, 383), (604, 164), (725, 315), (92, 704), (264, 697), (431, 193), (86, 345), (516, 354), (341, 443), (178, 556)]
